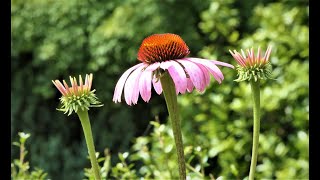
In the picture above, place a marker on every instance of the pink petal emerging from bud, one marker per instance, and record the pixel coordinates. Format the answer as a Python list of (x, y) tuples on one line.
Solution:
[(75, 89), (251, 66)]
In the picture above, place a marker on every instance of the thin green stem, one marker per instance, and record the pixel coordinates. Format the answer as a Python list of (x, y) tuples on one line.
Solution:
[(194, 170), (85, 122), (255, 87), (170, 95), (22, 153)]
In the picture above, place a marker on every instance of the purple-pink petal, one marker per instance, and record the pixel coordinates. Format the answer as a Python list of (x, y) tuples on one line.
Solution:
[(206, 74), (121, 82), (131, 88), (195, 73), (145, 85), (236, 55), (165, 65), (211, 67), (66, 87), (258, 55), (177, 74), (240, 58), (153, 66), (179, 77), (189, 85), (186, 73), (157, 86), (222, 63), (60, 87), (267, 53)]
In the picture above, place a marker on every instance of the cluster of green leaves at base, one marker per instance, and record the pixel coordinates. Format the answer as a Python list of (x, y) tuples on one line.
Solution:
[(55, 39), (20, 168)]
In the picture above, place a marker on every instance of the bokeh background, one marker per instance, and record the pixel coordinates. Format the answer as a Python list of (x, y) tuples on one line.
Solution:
[(52, 39)]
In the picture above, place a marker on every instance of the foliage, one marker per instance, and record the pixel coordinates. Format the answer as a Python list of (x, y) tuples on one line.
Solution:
[(55, 39), (20, 167), (104, 170)]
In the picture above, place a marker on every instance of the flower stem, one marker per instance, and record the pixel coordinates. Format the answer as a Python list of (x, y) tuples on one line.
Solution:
[(85, 122), (170, 96), (256, 126)]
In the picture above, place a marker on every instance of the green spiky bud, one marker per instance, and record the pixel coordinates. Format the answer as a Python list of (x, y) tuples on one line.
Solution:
[(252, 67), (77, 96)]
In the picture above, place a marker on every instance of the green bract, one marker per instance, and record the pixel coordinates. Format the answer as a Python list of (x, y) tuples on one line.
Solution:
[(254, 72), (75, 102), (77, 96)]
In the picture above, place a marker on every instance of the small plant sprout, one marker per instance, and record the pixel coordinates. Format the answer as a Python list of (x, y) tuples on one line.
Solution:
[(20, 168)]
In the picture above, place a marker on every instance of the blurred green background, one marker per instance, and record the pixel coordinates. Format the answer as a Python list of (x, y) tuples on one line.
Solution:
[(52, 39)]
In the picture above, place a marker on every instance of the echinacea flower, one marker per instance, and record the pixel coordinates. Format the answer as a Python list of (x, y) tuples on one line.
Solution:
[(165, 52), (77, 96), (251, 66)]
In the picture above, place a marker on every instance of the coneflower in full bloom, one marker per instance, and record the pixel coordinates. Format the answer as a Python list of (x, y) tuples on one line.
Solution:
[(165, 52), (165, 66)]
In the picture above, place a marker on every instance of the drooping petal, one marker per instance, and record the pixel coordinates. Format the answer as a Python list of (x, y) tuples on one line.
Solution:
[(206, 74), (177, 74), (153, 66), (195, 73), (157, 86), (131, 88), (121, 82), (166, 64), (211, 67), (179, 77), (189, 85), (222, 63), (145, 85)]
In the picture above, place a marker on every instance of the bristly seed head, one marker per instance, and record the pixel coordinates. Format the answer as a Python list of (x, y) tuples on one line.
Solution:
[(162, 47)]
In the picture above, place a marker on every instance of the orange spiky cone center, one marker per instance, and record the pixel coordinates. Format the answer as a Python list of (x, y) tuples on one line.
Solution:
[(162, 47)]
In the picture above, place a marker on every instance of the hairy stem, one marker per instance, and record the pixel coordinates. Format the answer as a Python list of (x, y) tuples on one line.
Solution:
[(170, 95)]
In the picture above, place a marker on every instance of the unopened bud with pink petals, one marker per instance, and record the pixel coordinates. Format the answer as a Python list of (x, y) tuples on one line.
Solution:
[(77, 96), (251, 66)]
